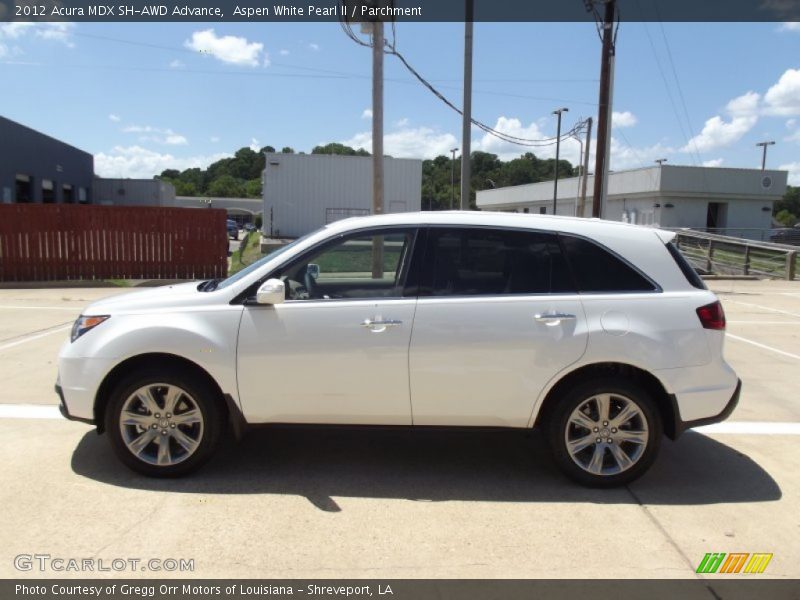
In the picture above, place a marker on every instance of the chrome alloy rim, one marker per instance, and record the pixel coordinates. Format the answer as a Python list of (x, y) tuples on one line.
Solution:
[(161, 424), (606, 434)]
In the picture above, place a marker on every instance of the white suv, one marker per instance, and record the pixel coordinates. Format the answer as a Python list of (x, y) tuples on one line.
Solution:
[(599, 333)]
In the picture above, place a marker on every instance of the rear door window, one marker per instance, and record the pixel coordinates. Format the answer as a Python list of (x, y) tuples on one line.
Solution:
[(483, 261)]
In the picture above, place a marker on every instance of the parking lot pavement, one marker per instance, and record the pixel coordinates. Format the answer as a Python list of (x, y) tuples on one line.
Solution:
[(338, 503)]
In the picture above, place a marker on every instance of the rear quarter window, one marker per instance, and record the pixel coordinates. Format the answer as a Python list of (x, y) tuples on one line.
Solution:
[(598, 270), (686, 268)]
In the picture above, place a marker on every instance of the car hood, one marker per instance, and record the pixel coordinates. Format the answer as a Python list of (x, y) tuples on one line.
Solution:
[(162, 298)]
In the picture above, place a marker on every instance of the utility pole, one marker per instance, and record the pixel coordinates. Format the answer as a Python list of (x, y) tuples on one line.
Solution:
[(377, 141), (660, 161), (582, 205), (466, 122), (604, 110), (453, 178), (764, 154), (557, 112)]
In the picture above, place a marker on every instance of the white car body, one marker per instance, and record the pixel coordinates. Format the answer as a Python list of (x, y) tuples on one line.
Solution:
[(454, 360)]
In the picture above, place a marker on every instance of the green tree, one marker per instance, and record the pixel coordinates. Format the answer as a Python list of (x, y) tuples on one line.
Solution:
[(337, 148), (287, 150), (226, 186), (252, 188), (789, 205)]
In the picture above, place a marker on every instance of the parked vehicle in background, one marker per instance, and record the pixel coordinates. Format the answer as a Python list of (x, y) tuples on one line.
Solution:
[(249, 227), (233, 229), (598, 333), (786, 235)]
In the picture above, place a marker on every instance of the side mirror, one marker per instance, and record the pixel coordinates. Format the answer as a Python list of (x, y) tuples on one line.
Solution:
[(313, 270), (272, 291)]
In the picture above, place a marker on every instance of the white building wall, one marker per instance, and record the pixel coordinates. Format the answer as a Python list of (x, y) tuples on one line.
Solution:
[(304, 191), (132, 192)]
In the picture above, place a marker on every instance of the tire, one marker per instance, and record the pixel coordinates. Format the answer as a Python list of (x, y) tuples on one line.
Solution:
[(633, 426), (191, 434)]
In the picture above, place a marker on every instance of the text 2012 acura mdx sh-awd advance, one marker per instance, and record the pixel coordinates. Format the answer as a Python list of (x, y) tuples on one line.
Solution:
[(599, 333)]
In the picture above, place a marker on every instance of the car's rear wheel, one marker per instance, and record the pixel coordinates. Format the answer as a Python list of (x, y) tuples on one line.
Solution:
[(605, 432), (163, 424)]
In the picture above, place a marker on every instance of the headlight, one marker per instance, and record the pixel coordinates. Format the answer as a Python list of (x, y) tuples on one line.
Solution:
[(84, 324)]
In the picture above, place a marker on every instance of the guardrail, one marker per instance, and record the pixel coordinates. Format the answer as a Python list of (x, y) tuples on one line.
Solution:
[(724, 255)]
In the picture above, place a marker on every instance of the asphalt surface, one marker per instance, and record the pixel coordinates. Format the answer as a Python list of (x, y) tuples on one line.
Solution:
[(335, 503)]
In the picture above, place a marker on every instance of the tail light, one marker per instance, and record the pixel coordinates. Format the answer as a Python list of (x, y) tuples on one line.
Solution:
[(712, 316)]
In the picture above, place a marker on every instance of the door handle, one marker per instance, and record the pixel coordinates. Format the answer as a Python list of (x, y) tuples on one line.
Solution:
[(378, 325), (553, 318)]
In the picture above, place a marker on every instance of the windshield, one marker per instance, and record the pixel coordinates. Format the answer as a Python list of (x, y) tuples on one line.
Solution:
[(261, 262)]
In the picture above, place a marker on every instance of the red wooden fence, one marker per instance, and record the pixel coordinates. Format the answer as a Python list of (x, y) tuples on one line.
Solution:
[(46, 242)]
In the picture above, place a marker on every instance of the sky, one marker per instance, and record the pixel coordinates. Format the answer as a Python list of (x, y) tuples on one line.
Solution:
[(145, 97)]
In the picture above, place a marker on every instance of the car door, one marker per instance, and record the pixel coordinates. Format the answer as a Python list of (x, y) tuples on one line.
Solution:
[(497, 318), (336, 351)]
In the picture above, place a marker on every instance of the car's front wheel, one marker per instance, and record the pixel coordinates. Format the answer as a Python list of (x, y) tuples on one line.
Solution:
[(163, 424), (605, 432)]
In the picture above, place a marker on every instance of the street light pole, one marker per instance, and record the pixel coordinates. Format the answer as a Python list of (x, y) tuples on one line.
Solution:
[(660, 161), (453, 178), (557, 112), (764, 154)]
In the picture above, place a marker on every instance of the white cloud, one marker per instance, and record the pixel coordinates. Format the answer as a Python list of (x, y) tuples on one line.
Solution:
[(716, 162), (266, 61), (55, 31), (794, 172), (418, 142), (255, 145), (625, 156), (176, 64), (783, 98), (790, 26), (402, 122), (228, 48), (314, 47), (157, 135), (791, 123), (623, 119), (284, 52), (366, 114), (718, 133), (570, 148), (214, 139), (114, 118), (138, 162)]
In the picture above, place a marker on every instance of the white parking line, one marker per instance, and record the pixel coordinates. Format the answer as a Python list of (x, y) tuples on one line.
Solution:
[(764, 346), (29, 307), (31, 338), (769, 308), (36, 411), (29, 411), (763, 322), (751, 428)]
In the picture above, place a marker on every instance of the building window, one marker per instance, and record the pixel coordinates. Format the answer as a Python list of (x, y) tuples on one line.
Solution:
[(526, 210), (24, 189), (82, 197), (542, 210), (66, 192), (48, 192)]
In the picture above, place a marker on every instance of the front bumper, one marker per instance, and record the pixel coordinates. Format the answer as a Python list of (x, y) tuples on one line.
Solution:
[(62, 407), (681, 426)]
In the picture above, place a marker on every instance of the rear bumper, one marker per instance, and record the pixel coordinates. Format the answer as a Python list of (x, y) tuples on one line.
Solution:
[(680, 426)]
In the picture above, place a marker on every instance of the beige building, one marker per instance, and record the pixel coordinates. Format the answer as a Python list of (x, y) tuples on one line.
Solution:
[(726, 201)]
